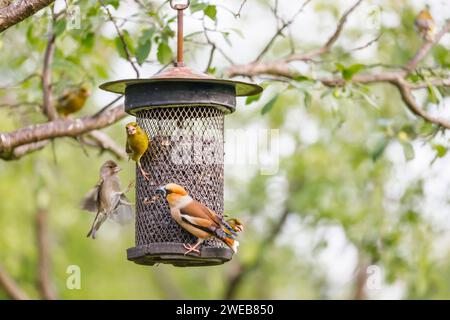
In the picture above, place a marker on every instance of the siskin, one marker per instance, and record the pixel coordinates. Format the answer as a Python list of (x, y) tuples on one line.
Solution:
[(72, 101), (137, 145), (425, 25), (107, 199), (196, 218)]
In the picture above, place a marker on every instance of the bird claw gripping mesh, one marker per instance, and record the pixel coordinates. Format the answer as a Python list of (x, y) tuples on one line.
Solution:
[(186, 148)]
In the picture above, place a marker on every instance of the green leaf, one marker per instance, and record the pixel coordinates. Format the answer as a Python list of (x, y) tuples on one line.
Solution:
[(59, 27), (380, 146), (408, 150), (269, 105), (300, 78), (350, 71), (120, 47), (164, 53), (211, 12), (434, 96), (197, 6), (441, 151), (253, 98), (147, 35), (142, 51), (307, 99), (114, 3)]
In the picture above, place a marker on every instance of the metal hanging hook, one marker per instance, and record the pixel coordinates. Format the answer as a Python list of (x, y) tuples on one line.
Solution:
[(179, 7)]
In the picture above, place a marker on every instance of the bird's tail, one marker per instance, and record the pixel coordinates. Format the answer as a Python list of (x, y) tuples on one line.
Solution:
[(232, 243), (99, 219), (227, 238)]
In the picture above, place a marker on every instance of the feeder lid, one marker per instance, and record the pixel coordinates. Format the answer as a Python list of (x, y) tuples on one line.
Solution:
[(183, 74)]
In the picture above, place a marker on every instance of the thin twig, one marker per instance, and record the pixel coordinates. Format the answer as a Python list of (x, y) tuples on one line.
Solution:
[(238, 13), (280, 30), (48, 107), (11, 288), (44, 262), (122, 39)]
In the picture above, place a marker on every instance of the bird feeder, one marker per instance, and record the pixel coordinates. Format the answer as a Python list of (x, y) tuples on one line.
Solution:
[(182, 112)]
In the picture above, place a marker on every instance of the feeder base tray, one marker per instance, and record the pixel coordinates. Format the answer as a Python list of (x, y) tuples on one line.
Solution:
[(173, 253)]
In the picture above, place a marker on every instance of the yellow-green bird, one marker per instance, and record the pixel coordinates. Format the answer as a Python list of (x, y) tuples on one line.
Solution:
[(425, 25), (72, 101), (137, 145)]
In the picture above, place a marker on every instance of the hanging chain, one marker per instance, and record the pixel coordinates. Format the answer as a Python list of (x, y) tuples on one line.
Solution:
[(180, 7)]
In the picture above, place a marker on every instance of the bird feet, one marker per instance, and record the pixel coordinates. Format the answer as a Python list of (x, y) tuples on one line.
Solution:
[(191, 248), (145, 174)]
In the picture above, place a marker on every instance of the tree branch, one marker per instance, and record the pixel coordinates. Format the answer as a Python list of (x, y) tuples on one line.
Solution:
[(44, 262), (19, 11), (242, 270), (56, 129), (48, 106), (105, 143), (122, 39), (11, 288), (281, 67), (281, 29), (425, 49)]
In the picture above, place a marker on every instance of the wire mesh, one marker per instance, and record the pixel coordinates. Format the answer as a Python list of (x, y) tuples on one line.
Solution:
[(186, 148)]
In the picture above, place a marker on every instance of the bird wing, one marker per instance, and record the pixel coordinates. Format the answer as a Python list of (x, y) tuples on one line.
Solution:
[(128, 148), (90, 200), (200, 223), (198, 210), (198, 215), (124, 212)]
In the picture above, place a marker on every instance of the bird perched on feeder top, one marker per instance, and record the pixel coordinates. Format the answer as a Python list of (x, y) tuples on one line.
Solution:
[(196, 218), (137, 145), (72, 101), (425, 25), (107, 199)]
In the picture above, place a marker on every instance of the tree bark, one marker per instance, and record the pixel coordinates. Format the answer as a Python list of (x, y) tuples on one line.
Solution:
[(19, 11)]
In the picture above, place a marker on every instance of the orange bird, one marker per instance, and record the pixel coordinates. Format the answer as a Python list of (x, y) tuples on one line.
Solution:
[(196, 218)]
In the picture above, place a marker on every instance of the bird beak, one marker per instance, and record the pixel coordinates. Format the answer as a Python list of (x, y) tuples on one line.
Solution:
[(161, 191), (117, 169)]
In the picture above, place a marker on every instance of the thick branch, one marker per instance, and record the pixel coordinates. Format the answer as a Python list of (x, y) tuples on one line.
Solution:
[(19, 11), (57, 128), (11, 288)]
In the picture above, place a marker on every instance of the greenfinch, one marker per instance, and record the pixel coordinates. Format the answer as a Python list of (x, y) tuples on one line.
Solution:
[(72, 101), (107, 199), (137, 145), (196, 218), (425, 25)]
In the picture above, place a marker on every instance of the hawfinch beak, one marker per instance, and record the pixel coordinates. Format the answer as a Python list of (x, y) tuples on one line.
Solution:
[(161, 191)]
